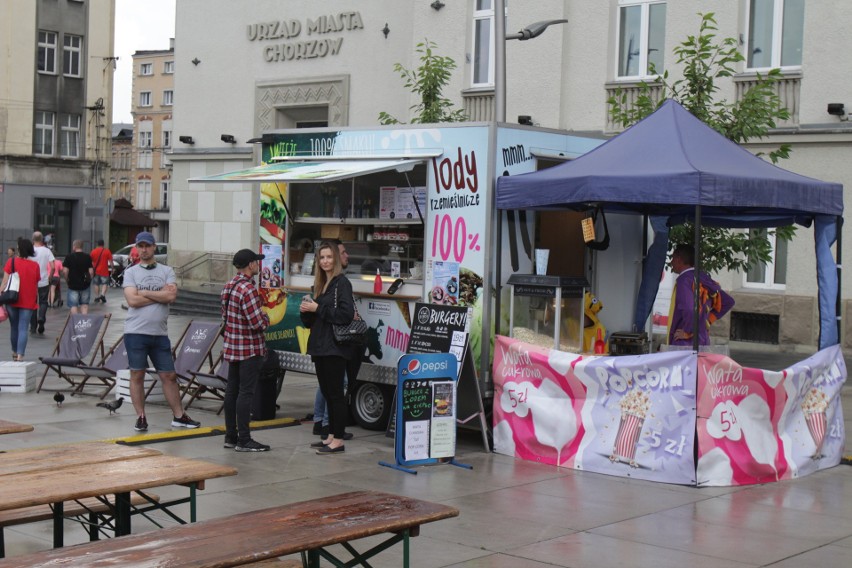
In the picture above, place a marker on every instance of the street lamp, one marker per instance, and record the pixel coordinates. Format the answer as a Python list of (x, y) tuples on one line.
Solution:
[(500, 37)]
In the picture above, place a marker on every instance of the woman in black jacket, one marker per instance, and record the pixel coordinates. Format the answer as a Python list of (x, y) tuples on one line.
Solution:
[(332, 305)]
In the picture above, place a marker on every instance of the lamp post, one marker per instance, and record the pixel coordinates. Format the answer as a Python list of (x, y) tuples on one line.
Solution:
[(529, 32)]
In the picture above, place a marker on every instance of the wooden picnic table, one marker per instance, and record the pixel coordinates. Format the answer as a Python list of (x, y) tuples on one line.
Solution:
[(118, 477), (68, 455), (307, 527), (7, 427)]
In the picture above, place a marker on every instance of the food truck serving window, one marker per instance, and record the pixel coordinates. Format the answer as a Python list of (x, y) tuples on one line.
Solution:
[(295, 172)]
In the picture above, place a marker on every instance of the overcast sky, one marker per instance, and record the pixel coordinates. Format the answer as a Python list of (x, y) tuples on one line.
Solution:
[(140, 25)]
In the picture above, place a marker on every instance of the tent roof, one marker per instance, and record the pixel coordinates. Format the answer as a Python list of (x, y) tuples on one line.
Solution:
[(667, 164), (124, 214)]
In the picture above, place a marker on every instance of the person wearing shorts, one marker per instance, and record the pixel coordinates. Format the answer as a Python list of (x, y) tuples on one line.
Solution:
[(78, 271), (101, 260), (149, 288)]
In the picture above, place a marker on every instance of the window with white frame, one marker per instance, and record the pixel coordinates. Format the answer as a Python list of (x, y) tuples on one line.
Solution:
[(46, 51), (775, 33), (146, 138), (143, 194), (641, 38), (164, 193), (774, 273), (483, 42), (145, 98), (146, 68), (168, 97), (69, 135), (72, 47), (167, 138), (168, 67), (44, 128), (146, 141)]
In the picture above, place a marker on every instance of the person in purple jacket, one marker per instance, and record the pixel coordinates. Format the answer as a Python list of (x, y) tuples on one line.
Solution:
[(715, 302)]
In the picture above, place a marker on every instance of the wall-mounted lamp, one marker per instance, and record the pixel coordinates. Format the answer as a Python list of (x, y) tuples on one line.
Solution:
[(525, 119), (228, 139), (386, 30), (437, 5), (186, 139), (196, 61), (837, 109), (263, 139)]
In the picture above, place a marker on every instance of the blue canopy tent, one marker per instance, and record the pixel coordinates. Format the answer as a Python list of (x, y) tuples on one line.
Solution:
[(673, 167)]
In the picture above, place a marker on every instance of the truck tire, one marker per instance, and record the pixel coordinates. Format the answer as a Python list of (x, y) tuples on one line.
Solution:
[(370, 405)]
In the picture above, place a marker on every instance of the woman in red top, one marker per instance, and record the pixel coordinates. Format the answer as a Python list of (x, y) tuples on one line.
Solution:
[(21, 312)]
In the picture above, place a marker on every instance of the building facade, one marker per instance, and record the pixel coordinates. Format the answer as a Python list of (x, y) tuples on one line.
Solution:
[(56, 65), (153, 101), (265, 66)]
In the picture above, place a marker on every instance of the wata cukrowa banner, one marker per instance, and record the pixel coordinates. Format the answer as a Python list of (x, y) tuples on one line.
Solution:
[(537, 403), (757, 426), (640, 417)]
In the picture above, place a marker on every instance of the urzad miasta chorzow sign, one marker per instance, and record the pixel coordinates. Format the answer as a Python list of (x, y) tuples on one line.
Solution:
[(296, 39)]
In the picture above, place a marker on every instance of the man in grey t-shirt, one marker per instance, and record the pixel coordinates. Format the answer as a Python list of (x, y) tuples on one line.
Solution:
[(149, 288)]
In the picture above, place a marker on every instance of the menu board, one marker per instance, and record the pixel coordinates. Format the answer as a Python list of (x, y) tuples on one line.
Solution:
[(439, 329), (426, 408)]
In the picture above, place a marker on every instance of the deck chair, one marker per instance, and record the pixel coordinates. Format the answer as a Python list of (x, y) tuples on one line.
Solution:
[(191, 352), (81, 340), (211, 386), (106, 370)]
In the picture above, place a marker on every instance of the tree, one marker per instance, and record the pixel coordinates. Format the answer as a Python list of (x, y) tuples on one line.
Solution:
[(428, 81), (706, 60)]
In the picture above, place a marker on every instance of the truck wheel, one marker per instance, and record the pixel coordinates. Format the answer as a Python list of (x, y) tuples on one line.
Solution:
[(371, 405)]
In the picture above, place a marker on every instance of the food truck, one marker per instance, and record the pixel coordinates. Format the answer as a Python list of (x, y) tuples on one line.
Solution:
[(414, 207)]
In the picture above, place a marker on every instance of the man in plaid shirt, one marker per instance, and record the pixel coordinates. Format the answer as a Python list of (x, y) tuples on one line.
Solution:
[(244, 349)]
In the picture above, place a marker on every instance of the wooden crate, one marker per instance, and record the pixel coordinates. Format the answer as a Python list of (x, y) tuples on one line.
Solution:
[(122, 387), (18, 377)]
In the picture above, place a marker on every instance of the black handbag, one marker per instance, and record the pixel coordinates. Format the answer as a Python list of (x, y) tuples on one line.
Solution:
[(10, 294), (353, 333)]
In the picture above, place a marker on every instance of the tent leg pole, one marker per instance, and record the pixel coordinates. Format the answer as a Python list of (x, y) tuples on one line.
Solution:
[(839, 263), (696, 286), (498, 271)]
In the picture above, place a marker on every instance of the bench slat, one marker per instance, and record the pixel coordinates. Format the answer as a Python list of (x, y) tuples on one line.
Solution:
[(68, 455), (72, 509), (257, 535)]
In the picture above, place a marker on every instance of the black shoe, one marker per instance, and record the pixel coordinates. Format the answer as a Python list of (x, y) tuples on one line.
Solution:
[(317, 429), (318, 444), (41, 327), (348, 435), (141, 424), (252, 446), (230, 443), (329, 450), (324, 432), (103, 299), (185, 422)]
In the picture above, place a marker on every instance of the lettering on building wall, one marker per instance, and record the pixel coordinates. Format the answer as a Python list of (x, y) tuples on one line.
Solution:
[(300, 37)]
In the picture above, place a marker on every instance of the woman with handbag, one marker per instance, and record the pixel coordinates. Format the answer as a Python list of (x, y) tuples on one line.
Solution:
[(22, 310), (332, 305)]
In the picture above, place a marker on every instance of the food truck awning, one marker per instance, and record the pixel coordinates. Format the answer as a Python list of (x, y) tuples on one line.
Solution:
[(315, 171)]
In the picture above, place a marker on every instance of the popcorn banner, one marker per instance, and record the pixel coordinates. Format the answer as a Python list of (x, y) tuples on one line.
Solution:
[(635, 416), (759, 426)]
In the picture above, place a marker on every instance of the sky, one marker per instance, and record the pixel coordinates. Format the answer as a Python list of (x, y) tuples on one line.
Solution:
[(140, 25)]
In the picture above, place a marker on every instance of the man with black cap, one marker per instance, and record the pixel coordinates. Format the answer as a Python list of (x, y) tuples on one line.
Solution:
[(244, 348), (149, 288)]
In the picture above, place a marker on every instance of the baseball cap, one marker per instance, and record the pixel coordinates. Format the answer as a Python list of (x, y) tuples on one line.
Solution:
[(244, 257), (145, 237)]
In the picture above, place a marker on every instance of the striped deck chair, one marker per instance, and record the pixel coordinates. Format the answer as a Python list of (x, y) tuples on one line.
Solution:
[(106, 370), (80, 342), (211, 386), (192, 351)]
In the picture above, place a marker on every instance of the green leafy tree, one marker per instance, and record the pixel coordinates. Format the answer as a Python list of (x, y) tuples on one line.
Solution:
[(428, 81), (705, 61)]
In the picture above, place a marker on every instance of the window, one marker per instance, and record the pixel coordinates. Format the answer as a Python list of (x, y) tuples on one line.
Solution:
[(146, 69), (69, 136), (72, 47), (44, 126), (146, 139), (483, 54), (774, 273), (168, 67), (641, 38), (46, 52), (143, 194), (145, 98), (164, 193), (775, 31), (168, 97), (167, 138)]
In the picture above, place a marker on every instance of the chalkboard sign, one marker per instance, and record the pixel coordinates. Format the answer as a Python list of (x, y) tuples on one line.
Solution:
[(439, 329), (426, 408)]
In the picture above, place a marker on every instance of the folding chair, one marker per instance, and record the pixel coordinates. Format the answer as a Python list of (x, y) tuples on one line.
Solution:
[(192, 350), (81, 340), (211, 386), (115, 360)]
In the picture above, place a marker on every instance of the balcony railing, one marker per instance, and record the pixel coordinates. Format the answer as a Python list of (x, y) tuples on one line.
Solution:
[(788, 89), (631, 92), (479, 105)]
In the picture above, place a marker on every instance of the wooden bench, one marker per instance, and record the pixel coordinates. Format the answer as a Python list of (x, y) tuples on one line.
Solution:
[(91, 507), (7, 427), (305, 528)]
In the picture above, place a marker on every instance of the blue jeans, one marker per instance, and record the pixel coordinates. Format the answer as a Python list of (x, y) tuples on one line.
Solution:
[(19, 318), (141, 347), (239, 395), (320, 407)]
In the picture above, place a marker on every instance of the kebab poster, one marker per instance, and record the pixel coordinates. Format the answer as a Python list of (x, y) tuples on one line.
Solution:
[(273, 213), (273, 219)]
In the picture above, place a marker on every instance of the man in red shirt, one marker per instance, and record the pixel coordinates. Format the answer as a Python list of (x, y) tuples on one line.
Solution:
[(101, 260), (244, 348)]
